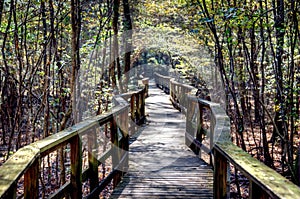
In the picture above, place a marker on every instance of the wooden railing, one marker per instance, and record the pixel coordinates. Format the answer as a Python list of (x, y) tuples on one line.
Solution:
[(26, 162), (136, 100), (177, 91), (216, 141)]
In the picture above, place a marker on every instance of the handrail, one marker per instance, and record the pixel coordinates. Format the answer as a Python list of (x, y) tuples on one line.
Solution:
[(26, 161), (136, 99), (178, 92), (264, 181), (162, 82)]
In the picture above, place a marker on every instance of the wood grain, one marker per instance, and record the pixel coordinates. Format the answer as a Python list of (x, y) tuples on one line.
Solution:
[(160, 164)]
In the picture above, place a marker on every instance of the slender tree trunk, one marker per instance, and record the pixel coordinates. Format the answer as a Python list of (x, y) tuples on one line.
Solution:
[(5, 107), (291, 102), (45, 101), (1, 9), (127, 41), (254, 71), (76, 28), (225, 80), (268, 160), (115, 65), (280, 112)]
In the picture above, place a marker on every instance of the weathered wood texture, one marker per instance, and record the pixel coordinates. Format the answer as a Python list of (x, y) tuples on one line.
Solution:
[(264, 182), (26, 161), (178, 92), (160, 164), (136, 100)]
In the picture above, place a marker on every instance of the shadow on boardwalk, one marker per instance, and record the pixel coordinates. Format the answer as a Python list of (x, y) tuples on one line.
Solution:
[(160, 165)]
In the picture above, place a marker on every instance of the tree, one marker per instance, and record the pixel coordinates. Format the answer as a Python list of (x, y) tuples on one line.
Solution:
[(127, 39), (76, 28), (254, 45)]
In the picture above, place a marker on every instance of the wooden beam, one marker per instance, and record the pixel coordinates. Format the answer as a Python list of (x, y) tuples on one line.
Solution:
[(76, 167), (31, 181), (14, 168), (92, 158), (220, 176)]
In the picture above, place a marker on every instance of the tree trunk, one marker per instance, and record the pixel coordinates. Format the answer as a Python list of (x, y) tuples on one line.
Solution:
[(279, 101), (115, 48), (127, 41), (267, 158), (1, 9), (76, 28)]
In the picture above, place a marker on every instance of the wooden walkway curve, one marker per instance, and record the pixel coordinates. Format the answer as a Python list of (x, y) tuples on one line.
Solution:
[(160, 164)]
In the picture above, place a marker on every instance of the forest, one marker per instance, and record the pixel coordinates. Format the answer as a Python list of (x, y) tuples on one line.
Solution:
[(62, 61)]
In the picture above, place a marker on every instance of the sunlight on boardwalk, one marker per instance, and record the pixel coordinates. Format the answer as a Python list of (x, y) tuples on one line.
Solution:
[(160, 165)]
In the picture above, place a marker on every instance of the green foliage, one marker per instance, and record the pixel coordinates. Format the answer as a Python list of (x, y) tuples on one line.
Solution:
[(256, 52), (35, 59)]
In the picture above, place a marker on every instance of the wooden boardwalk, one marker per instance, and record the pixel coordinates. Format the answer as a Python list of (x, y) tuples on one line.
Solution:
[(160, 164)]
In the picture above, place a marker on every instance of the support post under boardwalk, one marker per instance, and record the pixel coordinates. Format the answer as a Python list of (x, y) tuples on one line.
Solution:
[(220, 176), (76, 167)]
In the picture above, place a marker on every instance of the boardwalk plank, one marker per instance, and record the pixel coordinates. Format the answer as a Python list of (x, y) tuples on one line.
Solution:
[(160, 165)]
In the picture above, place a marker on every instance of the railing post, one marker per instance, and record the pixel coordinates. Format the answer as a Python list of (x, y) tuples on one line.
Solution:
[(125, 141), (200, 125), (171, 90), (168, 90), (176, 93), (145, 82), (163, 84), (132, 107), (92, 157), (120, 146), (220, 176), (183, 97), (156, 80), (31, 181), (189, 124), (142, 106), (115, 151), (212, 135), (137, 105), (76, 167)]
